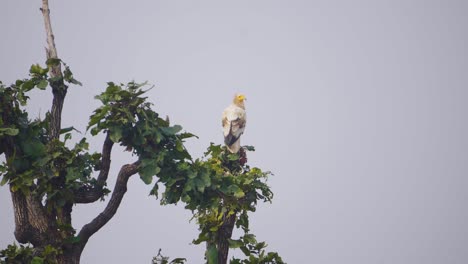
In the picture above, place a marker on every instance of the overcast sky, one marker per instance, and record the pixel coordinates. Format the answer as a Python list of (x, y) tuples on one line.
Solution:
[(358, 107)]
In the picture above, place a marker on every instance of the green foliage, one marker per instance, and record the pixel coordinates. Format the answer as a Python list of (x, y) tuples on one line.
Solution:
[(37, 165), (160, 259), (254, 251), (67, 75), (203, 183), (237, 189), (129, 120), (217, 186), (213, 187), (38, 162), (76, 166), (14, 254)]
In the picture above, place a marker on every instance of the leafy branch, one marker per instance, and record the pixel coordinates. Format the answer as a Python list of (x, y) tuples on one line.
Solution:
[(47, 176), (219, 188)]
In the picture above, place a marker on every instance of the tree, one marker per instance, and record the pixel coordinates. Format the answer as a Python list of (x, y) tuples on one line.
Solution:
[(47, 177)]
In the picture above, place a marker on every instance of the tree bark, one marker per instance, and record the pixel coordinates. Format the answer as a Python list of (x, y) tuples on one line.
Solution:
[(117, 195), (224, 234), (85, 195)]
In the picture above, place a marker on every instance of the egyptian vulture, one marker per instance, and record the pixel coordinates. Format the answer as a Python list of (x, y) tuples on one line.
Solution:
[(234, 120)]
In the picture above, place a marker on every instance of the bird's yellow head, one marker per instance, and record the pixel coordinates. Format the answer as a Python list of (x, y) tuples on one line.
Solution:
[(239, 99)]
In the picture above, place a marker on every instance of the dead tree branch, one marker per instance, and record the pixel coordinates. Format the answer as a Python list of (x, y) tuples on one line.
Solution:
[(59, 89)]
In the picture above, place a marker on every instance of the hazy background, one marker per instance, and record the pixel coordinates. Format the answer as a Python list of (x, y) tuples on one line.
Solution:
[(358, 107)]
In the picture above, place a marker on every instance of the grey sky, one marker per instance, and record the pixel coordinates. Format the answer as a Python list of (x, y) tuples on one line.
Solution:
[(358, 107)]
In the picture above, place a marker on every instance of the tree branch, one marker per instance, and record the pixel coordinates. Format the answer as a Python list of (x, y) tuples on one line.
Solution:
[(106, 160), (86, 195), (117, 195), (59, 89), (51, 51)]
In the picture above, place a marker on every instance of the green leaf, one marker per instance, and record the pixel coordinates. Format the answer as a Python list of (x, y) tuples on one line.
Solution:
[(243, 221), (191, 174), (235, 243), (212, 255), (260, 246), (171, 130), (67, 129), (202, 237), (187, 135), (42, 84), (82, 144), (116, 134), (154, 191), (95, 131), (147, 173), (250, 238), (236, 191), (249, 148), (98, 115), (67, 137), (200, 185), (72, 174), (36, 69), (8, 131), (235, 261), (37, 260), (206, 179), (75, 81), (53, 62), (233, 156), (245, 250), (186, 199), (33, 148), (27, 85), (67, 74), (4, 181)]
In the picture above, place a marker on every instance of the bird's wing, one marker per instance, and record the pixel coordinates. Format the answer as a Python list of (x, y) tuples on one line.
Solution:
[(234, 120)]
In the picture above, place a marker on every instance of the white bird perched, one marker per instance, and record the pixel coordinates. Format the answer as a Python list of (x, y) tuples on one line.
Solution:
[(234, 119)]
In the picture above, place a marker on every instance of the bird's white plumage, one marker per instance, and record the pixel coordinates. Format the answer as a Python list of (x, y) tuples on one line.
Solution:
[(233, 115), (234, 120)]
